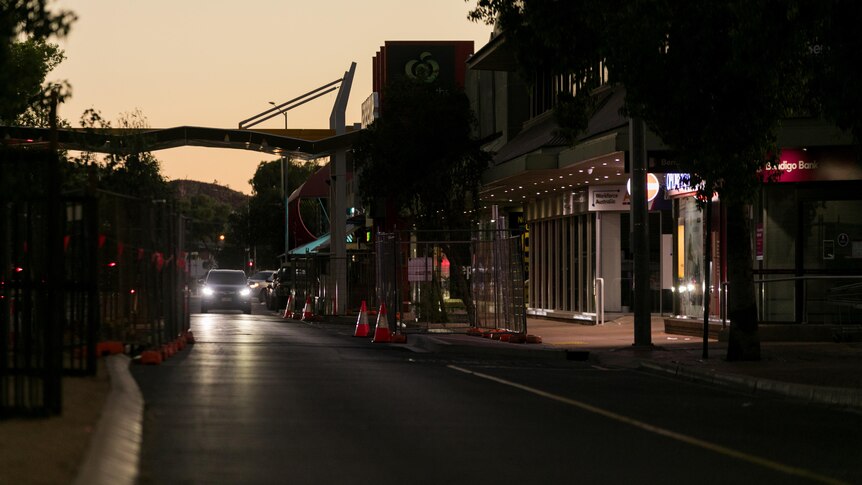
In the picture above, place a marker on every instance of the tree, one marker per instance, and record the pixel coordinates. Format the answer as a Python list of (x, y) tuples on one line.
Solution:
[(207, 220), (712, 79), (25, 57), (420, 157), (834, 43), (129, 168), (266, 206), (32, 61)]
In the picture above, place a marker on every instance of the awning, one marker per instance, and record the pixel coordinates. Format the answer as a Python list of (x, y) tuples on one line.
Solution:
[(320, 243)]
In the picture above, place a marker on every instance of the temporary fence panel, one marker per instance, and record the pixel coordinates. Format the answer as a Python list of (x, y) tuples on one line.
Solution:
[(75, 271), (80, 305), (360, 279), (142, 271), (498, 284), (437, 284), (34, 326)]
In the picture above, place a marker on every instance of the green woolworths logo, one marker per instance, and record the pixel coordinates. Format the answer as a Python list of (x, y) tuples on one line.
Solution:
[(424, 69)]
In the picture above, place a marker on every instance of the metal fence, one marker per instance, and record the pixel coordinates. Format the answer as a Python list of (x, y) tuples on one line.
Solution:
[(432, 282), (75, 271), (309, 276), (48, 316), (143, 271)]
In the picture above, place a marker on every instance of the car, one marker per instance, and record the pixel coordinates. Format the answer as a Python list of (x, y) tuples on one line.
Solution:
[(225, 289), (278, 289), (258, 283)]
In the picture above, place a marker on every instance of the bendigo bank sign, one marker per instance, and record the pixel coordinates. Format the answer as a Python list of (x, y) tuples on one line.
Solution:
[(813, 164)]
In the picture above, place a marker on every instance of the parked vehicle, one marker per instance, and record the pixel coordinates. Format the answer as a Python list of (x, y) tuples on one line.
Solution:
[(225, 289), (258, 283), (278, 290)]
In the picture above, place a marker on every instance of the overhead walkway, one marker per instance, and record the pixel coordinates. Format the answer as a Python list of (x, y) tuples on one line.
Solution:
[(307, 143)]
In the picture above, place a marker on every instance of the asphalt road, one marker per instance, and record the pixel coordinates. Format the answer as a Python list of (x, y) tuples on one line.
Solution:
[(259, 399)]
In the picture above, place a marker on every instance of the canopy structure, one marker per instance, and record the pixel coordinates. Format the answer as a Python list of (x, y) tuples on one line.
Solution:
[(321, 243)]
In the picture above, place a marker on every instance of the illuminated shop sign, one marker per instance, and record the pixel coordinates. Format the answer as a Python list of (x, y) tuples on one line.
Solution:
[(679, 185), (609, 198), (813, 164)]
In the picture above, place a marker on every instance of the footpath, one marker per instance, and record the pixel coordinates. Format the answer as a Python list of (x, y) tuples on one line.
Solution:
[(816, 372)]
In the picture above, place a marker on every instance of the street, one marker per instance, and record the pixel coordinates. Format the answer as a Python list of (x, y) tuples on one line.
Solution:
[(259, 399)]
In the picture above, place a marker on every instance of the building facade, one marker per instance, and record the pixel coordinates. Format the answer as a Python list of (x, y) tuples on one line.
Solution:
[(571, 200)]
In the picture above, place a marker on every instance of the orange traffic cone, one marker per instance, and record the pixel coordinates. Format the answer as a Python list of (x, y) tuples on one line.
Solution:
[(307, 314), (288, 309), (381, 330), (362, 328)]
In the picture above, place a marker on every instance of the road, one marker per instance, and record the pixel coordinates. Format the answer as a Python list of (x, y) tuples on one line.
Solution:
[(259, 399)]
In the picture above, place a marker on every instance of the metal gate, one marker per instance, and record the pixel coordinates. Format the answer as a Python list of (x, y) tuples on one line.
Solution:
[(431, 281)]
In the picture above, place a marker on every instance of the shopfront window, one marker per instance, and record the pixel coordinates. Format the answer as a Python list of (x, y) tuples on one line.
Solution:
[(820, 240), (689, 277)]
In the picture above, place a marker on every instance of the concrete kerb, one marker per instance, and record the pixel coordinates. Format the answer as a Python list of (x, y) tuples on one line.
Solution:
[(114, 451), (832, 396)]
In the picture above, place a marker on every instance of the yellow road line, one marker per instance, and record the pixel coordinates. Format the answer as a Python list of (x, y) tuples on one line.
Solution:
[(722, 450)]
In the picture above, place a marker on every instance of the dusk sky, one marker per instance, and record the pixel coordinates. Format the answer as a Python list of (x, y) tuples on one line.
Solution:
[(215, 62)]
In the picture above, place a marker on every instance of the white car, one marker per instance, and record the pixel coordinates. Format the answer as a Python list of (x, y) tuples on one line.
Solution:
[(258, 283), (226, 289)]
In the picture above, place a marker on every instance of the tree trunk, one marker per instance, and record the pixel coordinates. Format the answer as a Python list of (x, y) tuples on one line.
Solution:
[(744, 341)]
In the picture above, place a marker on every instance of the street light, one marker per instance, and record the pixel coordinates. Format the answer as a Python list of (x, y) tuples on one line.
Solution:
[(282, 112)]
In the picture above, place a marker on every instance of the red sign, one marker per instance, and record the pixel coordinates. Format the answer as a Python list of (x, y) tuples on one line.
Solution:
[(814, 164)]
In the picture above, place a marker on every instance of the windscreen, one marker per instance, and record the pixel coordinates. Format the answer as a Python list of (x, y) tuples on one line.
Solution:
[(226, 278)]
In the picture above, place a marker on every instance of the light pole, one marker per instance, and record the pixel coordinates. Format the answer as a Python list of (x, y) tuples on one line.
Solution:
[(285, 166), (282, 112)]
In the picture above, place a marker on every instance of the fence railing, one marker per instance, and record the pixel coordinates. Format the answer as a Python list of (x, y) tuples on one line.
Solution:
[(816, 299), (432, 282), (75, 271)]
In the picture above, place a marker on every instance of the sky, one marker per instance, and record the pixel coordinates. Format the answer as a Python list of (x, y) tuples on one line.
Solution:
[(213, 63)]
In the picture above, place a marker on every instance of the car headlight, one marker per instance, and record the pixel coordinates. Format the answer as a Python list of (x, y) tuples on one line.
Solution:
[(245, 291), (254, 285), (208, 291)]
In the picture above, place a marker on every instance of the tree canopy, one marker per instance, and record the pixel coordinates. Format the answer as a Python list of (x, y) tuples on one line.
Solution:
[(25, 56), (266, 206), (128, 169), (420, 156)]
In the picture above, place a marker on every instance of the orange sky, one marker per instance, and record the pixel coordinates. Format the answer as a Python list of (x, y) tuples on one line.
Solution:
[(216, 62)]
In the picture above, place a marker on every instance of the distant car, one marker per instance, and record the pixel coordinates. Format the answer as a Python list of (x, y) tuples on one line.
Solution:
[(258, 283), (278, 290), (225, 289)]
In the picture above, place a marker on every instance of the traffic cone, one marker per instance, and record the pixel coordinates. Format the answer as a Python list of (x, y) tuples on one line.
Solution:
[(307, 314), (362, 328), (288, 309), (381, 330)]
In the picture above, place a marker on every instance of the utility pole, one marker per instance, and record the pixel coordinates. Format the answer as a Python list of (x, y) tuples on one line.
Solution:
[(338, 198), (640, 233), (285, 190)]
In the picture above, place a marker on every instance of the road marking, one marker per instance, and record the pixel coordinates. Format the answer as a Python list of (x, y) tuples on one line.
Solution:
[(722, 450)]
